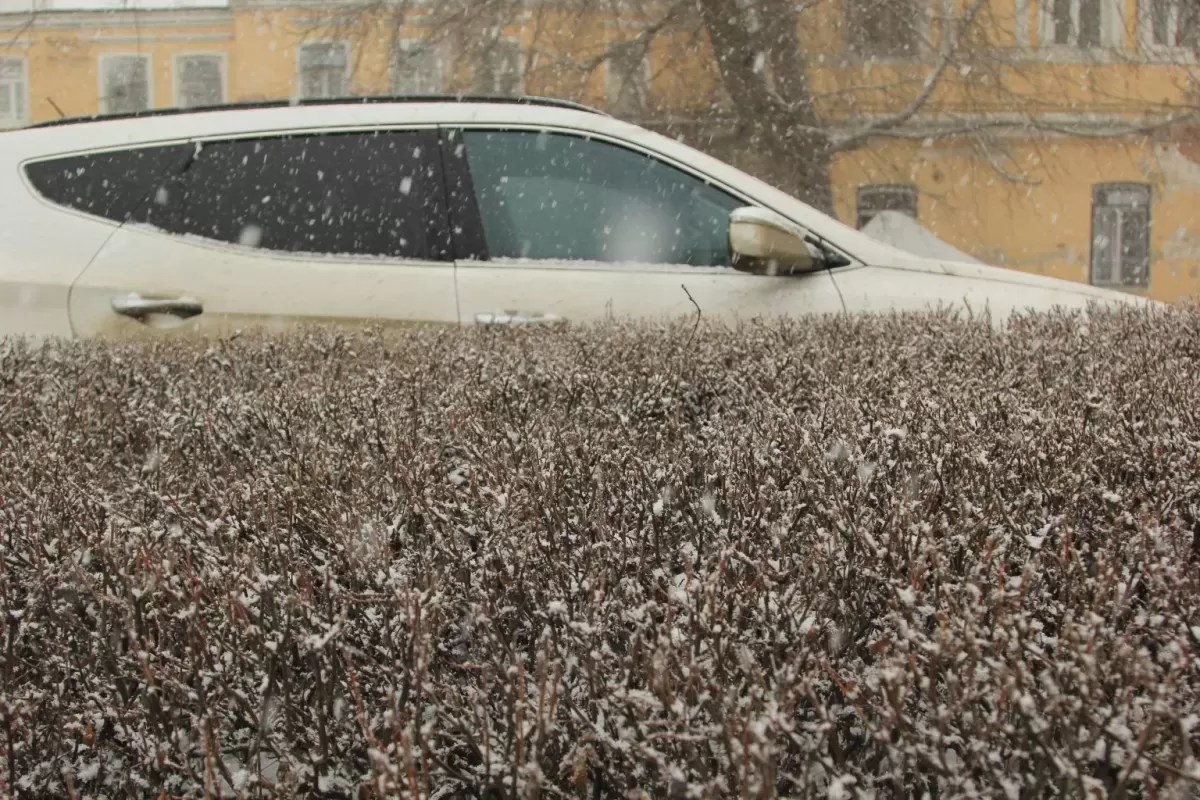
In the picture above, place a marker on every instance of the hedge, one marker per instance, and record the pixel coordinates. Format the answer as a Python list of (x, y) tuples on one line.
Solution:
[(847, 557)]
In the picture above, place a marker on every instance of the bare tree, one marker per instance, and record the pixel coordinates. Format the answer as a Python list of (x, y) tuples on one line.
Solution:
[(793, 82)]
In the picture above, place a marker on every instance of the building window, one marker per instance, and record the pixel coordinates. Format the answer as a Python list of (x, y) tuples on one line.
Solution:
[(500, 69), (1121, 234), (1081, 23), (124, 84), (419, 68), (199, 80), (13, 93), (873, 199), (628, 80), (324, 69), (1170, 23), (883, 28)]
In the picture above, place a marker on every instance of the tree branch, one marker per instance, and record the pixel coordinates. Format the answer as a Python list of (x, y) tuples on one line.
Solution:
[(949, 49)]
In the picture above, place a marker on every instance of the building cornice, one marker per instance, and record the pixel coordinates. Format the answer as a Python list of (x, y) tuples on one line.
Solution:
[(108, 20)]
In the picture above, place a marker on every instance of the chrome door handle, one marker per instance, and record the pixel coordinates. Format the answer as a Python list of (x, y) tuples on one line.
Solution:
[(512, 318), (138, 307)]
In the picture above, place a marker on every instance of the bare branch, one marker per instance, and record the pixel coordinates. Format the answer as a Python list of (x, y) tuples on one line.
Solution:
[(949, 49)]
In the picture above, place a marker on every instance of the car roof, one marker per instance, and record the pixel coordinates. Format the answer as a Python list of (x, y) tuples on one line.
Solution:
[(61, 137), (527, 100), (173, 126), (22, 145)]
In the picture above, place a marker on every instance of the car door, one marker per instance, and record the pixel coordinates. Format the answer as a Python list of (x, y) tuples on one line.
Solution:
[(553, 225), (348, 227)]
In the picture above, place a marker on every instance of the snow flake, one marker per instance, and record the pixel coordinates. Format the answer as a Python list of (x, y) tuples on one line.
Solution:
[(839, 788)]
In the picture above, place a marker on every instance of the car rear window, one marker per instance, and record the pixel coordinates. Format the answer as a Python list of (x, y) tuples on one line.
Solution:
[(119, 185), (371, 193)]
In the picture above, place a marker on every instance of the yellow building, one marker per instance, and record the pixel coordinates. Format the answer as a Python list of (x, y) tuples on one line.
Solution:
[(1041, 148)]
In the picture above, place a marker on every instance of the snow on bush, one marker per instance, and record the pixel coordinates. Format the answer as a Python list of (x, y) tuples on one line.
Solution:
[(841, 558)]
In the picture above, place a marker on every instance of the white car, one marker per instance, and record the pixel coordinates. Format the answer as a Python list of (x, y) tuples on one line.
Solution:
[(468, 211)]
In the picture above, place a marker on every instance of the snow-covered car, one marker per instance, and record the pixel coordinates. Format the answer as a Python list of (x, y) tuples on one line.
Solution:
[(444, 210)]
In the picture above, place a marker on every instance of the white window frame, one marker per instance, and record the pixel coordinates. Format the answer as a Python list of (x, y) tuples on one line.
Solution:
[(177, 72), (21, 118), (515, 42), (1021, 23), (1171, 52), (103, 89), (345, 45), (410, 44), (1120, 209), (1112, 29)]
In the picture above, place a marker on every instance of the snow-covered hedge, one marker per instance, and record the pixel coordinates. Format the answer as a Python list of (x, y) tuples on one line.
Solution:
[(840, 558)]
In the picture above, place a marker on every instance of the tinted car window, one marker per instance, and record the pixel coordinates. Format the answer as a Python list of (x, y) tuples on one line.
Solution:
[(556, 196), (359, 194), (118, 185)]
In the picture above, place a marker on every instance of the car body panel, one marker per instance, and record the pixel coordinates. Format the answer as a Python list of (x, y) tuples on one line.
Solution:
[(43, 248), (243, 286), (31, 306), (916, 284), (896, 288), (579, 292)]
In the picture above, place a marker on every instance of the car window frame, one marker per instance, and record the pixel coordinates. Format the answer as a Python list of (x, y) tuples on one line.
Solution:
[(38, 196), (467, 222), (442, 234), (445, 234)]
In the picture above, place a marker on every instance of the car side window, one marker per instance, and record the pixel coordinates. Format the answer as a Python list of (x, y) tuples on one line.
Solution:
[(118, 185), (377, 193), (557, 196)]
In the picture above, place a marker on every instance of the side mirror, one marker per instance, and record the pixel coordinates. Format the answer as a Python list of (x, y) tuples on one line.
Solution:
[(767, 243)]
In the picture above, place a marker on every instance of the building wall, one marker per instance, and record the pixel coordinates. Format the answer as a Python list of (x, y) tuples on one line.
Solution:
[(1042, 223), (1016, 201), (63, 51)]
